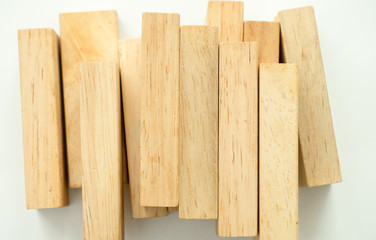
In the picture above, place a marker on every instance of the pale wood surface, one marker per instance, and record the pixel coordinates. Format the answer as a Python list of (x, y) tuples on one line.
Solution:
[(319, 163), (278, 152), (238, 139), (267, 36), (85, 36), (130, 69), (160, 110), (228, 16), (102, 188), (42, 118), (198, 138)]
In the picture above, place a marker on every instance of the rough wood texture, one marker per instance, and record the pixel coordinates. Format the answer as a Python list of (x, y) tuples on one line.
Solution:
[(238, 139), (198, 183), (102, 188), (266, 34), (160, 110), (85, 37), (278, 152), (130, 68), (228, 16), (319, 162), (43, 136)]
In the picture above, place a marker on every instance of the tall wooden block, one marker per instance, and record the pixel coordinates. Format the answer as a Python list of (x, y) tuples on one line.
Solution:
[(160, 110), (278, 152), (238, 139), (319, 162), (228, 16), (102, 188), (85, 37), (130, 69), (43, 137), (267, 35), (198, 183)]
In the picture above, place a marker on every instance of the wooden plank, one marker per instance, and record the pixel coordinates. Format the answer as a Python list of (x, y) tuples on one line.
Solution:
[(85, 36), (266, 34), (278, 152), (319, 163), (173, 209), (130, 69), (160, 110), (238, 139), (198, 183), (228, 16), (102, 188), (42, 120)]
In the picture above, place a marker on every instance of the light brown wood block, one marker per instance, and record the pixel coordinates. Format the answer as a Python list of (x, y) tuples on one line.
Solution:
[(198, 183), (42, 120), (102, 184), (228, 16), (85, 37), (130, 69), (160, 110), (319, 163), (278, 152), (238, 139), (173, 209), (267, 36)]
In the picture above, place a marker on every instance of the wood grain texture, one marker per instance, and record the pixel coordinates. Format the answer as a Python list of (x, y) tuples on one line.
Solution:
[(198, 183), (130, 69), (228, 16), (85, 37), (42, 120), (278, 152), (238, 139), (267, 36), (319, 163), (160, 110), (102, 188)]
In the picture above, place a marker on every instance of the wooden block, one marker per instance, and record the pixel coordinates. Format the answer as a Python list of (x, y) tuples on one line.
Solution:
[(266, 34), (130, 68), (198, 183), (319, 164), (173, 209), (238, 139), (160, 110), (42, 120), (102, 188), (278, 152), (85, 37)]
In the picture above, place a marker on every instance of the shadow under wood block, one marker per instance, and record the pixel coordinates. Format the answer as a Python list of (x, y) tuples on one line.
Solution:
[(160, 110), (130, 69), (238, 139), (102, 188), (278, 169), (85, 37), (319, 164), (42, 121), (198, 184)]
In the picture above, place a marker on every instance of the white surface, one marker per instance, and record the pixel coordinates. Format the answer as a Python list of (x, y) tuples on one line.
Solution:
[(342, 211)]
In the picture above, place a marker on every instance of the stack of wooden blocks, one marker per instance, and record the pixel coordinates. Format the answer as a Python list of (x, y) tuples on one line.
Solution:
[(215, 119)]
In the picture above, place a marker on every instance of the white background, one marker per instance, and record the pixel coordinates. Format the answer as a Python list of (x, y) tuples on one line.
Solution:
[(343, 211)]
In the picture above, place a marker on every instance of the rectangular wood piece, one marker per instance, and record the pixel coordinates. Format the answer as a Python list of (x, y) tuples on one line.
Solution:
[(238, 139)]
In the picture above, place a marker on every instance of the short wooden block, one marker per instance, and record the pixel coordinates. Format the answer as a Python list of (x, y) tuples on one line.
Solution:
[(160, 110), (228, 16), (278, 152), (130, 69), (319, 164), (238, 139), (42, 120), (85, 36), (173, 209), (102, 188), (198, 183), (267, 36)]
